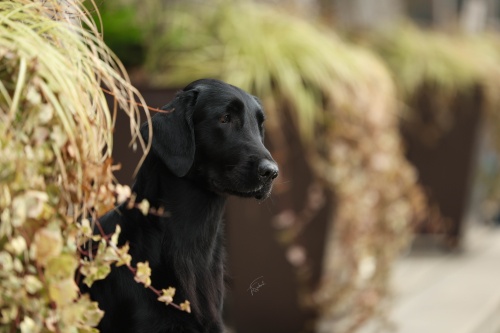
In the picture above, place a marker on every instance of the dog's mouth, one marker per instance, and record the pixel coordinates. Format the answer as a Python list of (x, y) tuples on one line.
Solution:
[(261, 192)]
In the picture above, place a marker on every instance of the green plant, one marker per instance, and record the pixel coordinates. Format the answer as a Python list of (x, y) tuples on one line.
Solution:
[(56, 166), (342, 101), (441, 66), (437, 67), (121, 32)]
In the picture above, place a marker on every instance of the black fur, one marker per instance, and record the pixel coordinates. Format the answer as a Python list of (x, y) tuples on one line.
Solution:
[(210, 145)]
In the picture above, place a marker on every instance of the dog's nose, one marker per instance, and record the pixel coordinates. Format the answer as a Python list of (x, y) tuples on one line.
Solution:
[(267, 170)]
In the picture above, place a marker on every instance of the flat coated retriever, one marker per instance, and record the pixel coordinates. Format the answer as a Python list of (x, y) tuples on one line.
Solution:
[(209, 146)]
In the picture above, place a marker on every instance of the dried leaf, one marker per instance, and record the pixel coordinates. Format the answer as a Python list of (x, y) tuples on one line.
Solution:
[(143, 206), (116, 235), (123, 193), (47, 244), (85, 228), (186, 306), (94, 271), (61, 267), (143, 274), (63, 292), (124, 258), (167, 295), (16, 245), (28, 325), (32, 284)]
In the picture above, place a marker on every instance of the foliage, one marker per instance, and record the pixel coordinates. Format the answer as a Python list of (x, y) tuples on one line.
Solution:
[(441, 66), (437, 67), (343, 102), (56, 167), (121, 32)]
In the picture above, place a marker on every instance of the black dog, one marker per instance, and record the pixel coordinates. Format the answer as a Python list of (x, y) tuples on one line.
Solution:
[(209, 146)]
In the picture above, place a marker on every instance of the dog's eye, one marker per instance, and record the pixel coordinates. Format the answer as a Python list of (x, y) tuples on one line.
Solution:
[(225, 118)]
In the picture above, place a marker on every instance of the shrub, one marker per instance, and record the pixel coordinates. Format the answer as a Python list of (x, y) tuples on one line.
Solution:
[(55, 166)]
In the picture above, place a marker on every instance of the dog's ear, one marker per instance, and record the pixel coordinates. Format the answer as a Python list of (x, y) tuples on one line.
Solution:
[(173, 133)]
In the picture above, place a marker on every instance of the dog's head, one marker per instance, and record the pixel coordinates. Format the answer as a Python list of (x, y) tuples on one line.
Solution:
[(214, 133)]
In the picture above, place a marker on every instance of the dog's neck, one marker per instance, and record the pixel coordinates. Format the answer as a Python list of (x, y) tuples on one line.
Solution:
[(193, 231), (182, 199)]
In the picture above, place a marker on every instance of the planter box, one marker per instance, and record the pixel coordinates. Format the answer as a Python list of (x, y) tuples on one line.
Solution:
[(446, 168), (254, 249)]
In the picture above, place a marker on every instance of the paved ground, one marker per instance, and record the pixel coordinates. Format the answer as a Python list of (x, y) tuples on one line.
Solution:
[(442, 292)]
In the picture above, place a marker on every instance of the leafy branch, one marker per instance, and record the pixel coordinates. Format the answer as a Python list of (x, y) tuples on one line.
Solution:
[(56, 167), (108, 252)]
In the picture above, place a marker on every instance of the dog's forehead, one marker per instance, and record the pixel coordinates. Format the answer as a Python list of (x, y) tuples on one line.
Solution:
[(226, 95)]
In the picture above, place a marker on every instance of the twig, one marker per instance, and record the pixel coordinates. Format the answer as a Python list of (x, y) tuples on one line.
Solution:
[(139, 104), (132, 269)]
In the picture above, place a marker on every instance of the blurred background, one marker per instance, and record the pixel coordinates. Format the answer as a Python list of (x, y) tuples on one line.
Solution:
[(384, 118)]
